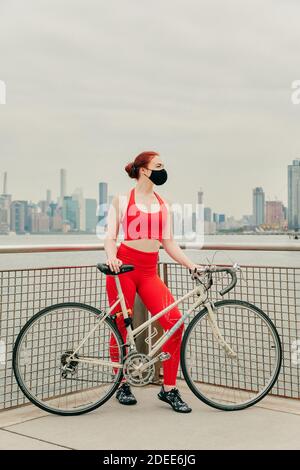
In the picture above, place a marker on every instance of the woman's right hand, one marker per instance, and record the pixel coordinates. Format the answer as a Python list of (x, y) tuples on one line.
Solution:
[(114, 264)]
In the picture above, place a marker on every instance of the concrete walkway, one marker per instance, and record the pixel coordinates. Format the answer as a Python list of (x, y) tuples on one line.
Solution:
[(151, 424)]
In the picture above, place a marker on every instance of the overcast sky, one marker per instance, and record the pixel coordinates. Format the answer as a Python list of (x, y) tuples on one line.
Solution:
[(90, 84)]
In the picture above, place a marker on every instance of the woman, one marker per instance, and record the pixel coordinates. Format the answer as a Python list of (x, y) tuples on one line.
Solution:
[(147, 223)]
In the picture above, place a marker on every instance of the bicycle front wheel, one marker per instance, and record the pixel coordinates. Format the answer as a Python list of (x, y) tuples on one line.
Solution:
[(42, 369), (216, 376)]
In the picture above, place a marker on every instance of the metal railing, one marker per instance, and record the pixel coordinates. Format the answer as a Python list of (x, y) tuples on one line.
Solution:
[(276, 290), (23, 292)]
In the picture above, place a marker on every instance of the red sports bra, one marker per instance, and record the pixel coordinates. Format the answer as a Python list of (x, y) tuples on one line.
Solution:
[(138, 224)]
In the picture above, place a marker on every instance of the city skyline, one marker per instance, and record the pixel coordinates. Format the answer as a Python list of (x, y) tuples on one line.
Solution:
[(72, 211), (62, 183), (55, 188)]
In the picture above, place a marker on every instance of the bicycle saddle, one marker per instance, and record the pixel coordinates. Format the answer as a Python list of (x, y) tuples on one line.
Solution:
[(105, 269)]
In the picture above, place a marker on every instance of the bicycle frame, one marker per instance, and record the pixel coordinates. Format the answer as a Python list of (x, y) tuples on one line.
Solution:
[(132, 333)]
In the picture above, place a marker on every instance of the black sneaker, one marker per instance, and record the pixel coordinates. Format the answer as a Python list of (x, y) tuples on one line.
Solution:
[(125, 396), (174, 399)]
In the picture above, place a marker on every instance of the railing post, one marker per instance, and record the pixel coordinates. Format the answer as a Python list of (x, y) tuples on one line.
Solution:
[(141, 315)]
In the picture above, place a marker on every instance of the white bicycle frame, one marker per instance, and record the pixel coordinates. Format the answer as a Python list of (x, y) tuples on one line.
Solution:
[(132, 333)]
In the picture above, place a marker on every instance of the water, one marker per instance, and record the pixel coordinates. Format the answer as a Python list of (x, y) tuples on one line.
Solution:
[(31, 260)]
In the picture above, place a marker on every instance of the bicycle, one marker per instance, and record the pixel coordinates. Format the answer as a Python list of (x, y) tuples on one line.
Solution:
[(230, 352)]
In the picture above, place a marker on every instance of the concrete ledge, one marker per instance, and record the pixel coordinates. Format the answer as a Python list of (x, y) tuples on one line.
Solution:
[(285, 405), (152, 424), (12, 441), (20, 415)]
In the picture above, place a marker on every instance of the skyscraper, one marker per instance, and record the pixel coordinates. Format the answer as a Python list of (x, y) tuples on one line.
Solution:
[(294, 195), (78, 196), (274, 213), (209, 224), (38, 221), (63, 184), (55, 216), (5, 183), (200, 197), (258, 206), (5, 202), (19, 216), (90, 215), (48, 196), (103, 202), (71, 212), (207, 214), (215, 217)]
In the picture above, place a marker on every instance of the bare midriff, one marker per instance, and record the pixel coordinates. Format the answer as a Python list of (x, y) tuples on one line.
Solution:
[(143, 244)]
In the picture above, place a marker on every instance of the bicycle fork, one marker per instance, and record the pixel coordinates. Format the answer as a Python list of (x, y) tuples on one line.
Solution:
[(216, 330)]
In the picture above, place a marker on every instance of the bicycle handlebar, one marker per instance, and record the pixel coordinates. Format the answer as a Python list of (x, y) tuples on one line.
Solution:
[(233, 280), (230, 271)]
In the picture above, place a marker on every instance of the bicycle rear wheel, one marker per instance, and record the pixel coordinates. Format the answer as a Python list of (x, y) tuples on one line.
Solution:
[(43, 347), (224, 382)]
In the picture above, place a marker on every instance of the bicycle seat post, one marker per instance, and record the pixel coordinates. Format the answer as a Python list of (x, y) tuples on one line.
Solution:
[(124, 310), (121, 296)]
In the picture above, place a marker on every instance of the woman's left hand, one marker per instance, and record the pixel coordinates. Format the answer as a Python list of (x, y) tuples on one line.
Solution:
[(195, 267)]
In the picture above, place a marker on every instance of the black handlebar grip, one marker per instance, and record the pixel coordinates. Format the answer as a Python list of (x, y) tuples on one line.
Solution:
[(232, 284)]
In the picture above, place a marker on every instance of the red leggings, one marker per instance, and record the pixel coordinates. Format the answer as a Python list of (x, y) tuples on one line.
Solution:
[(154, 294)]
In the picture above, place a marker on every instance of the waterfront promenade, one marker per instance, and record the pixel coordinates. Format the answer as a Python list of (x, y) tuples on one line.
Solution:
[(151, 424)]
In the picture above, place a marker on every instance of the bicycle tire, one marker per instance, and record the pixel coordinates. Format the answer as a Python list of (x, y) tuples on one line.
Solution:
[(183, 361), (22, 332)]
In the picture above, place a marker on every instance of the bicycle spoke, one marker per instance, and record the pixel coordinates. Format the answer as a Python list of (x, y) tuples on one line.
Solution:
[(218, 379), (45, 346)]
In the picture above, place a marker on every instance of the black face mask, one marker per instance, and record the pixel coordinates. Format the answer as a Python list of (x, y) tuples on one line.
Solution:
[(158, 176)]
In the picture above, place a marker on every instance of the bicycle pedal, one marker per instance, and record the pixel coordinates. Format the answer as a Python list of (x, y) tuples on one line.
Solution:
[(164, 356)]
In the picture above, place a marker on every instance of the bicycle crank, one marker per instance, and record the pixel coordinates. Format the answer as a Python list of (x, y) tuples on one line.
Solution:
[(138, 368)]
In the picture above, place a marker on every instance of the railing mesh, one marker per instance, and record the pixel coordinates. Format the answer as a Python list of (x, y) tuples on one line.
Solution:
[(276, 290), (25, 292)]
